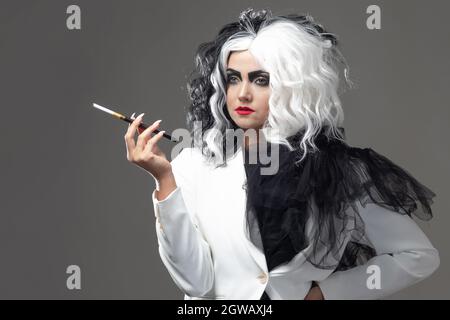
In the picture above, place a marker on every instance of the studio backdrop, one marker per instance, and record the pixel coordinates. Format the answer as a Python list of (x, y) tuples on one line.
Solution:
[(76, 218)]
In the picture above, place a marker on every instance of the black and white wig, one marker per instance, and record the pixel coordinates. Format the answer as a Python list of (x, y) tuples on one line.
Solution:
[(312, 204), (303, 62)]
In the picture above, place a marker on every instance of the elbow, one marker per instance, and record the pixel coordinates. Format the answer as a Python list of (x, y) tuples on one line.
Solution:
[(192, 287), (426, 262), (207, 282), (197, 292), (192, 279), (198, 279), (431, 262), (200, 288), (420, 263)]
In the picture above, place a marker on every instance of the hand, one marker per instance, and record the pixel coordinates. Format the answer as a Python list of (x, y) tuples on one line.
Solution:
[(145, 153), (314, 293)]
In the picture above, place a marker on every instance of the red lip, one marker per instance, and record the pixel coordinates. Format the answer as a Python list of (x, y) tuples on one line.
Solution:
[(241, 110), (244, 108)]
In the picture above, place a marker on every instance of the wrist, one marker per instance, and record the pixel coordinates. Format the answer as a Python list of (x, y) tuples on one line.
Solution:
[(165, 179), (164, 186)]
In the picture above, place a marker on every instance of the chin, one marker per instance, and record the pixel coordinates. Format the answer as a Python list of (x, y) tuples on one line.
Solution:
[(245, 127)]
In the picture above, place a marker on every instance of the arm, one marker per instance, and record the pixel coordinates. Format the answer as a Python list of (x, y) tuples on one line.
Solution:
[(405, 256), (165, 186), (183, 250)]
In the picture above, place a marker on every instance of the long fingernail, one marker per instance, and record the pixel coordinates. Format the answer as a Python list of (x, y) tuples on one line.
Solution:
[(132, 116), (157, 121), (140, 116)]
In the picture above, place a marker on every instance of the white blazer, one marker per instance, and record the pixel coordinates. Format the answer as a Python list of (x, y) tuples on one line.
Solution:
[(204, 245)]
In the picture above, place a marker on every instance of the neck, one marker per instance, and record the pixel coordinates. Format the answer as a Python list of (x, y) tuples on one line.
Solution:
[(250, 139)]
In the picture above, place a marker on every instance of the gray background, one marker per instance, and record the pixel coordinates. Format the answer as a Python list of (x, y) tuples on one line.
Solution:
[(68, 194)]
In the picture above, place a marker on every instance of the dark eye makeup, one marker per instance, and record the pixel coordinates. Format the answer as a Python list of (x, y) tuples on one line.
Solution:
[(262, 77)]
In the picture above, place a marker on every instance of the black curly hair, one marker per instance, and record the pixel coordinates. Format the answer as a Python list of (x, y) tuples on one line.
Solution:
[(200, 88)]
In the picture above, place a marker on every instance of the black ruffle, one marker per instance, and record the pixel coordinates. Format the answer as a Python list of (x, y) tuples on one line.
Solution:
[(325, 186)]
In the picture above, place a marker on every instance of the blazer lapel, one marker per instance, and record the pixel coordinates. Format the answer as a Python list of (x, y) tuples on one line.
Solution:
[(256, 253)]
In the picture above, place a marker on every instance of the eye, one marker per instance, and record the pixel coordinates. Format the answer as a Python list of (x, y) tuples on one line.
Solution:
[(231, 79), (262, 81)]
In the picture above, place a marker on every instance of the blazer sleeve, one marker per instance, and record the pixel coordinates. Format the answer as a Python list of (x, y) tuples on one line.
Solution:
[(182, 247), (405, 256)]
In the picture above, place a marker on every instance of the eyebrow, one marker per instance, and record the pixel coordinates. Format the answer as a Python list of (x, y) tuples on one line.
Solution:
[(251, 75)]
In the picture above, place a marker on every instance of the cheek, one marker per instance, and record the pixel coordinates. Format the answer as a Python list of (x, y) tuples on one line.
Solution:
[(266, 112), (265, 99), (230, 96), (265, 104)]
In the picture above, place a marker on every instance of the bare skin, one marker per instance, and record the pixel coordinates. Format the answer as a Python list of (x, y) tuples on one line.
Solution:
[(146, 154), (247, 85), (314, 294), (251, 90)]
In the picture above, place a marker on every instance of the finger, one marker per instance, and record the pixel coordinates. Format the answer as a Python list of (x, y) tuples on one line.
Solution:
[(139, 130), (146, 134), (140, 121), (135, 124), (129, 136), (153, 142), (131, 117)]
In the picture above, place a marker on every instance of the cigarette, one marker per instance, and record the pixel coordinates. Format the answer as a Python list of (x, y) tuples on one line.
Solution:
[(124, 118)]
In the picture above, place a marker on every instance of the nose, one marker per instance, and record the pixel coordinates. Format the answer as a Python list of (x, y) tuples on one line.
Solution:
[(244, 92)]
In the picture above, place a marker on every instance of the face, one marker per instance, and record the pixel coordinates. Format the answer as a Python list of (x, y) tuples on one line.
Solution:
[(248, 91)]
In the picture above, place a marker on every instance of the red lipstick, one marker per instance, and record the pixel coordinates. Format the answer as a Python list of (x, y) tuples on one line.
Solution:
[(243, 110)]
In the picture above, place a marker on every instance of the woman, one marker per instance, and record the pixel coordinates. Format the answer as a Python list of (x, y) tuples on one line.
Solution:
[(330, 222)]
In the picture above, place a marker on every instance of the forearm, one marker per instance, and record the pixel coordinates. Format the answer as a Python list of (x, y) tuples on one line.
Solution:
[(183, 250), (393, 273), (404, 257)]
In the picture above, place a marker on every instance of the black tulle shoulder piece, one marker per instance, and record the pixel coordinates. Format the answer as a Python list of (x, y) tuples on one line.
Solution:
[(324, 189)]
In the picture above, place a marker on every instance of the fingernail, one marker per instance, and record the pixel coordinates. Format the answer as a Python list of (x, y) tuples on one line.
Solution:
[(132, 116), (140, 116), (157, 121)]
